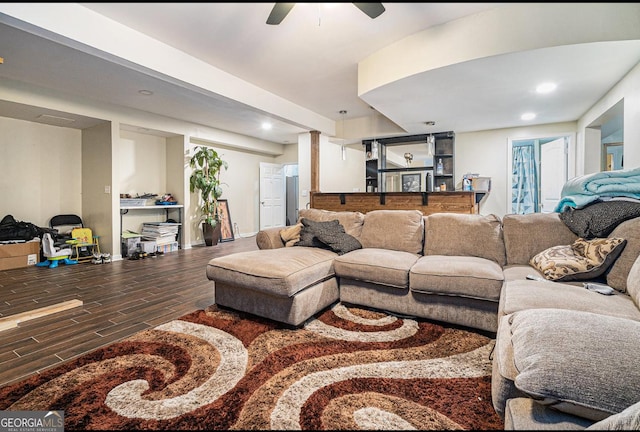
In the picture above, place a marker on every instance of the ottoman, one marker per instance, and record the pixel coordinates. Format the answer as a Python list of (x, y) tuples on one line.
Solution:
[(288, 285)]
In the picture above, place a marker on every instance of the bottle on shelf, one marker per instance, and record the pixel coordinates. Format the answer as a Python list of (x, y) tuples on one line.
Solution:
[(439, 168)]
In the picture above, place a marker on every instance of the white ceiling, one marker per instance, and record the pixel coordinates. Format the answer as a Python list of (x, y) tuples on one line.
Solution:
[(310, 59)]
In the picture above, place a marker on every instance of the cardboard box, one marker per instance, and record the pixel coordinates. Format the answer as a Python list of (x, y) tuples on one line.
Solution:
[(17, 255), (481, 184)]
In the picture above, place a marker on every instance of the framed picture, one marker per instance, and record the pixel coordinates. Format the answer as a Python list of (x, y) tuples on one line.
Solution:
[(225, 218), (411, 182)]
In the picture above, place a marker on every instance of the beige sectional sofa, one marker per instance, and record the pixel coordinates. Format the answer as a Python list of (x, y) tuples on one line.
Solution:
[(565, 356), (395, 270)]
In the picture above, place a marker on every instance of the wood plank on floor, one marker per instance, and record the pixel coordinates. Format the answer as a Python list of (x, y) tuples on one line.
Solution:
[(12, 321)]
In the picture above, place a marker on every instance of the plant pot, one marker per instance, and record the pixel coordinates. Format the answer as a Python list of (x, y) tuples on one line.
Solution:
[(211, 234)]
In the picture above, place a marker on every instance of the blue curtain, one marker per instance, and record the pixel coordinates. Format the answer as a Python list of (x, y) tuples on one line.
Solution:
[(524, 185)]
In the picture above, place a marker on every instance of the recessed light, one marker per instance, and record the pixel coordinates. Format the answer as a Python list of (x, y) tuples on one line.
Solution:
[(145, 92), (528, 116), (547, 87), (267, 126)]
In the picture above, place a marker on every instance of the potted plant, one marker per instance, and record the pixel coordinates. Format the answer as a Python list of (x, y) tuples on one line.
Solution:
[(205, 178)]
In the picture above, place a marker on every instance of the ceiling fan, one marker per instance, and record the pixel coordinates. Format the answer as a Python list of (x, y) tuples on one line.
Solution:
[(280, 11)]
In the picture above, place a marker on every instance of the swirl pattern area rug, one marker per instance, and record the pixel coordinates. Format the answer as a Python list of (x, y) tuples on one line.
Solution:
[(348, 368)]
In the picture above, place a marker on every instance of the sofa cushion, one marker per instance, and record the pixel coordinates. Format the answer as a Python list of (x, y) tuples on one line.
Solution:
[(527, 415), (379, 266), (464, 235), (531, 294), (580, 363), (399, 230), (351, 221), (628, 420), (528, 234), (466, 276), (281, 272), (582, 260), (519, 272), (617, 275)]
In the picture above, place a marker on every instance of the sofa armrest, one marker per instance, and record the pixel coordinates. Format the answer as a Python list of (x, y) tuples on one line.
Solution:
[(269, 238)]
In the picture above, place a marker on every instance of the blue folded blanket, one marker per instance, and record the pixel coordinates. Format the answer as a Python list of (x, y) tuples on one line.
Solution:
[(582, 190)]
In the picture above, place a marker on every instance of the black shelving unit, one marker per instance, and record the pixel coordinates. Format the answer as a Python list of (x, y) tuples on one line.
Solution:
[(371, 170), (444, 148)]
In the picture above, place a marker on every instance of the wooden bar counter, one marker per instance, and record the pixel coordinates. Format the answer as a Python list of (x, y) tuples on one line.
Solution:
[(427, 202)]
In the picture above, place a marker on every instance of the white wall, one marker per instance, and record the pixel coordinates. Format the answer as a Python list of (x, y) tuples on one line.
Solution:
[(628, 89), (40, 171), (337, 175), (142, 168), (142, 164)]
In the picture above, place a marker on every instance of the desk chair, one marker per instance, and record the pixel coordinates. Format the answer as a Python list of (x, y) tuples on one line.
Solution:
[(54, 255)]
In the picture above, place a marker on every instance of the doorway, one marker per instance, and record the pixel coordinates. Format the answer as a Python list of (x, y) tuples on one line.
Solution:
[(607, 138), (278, 195), (538, 169)]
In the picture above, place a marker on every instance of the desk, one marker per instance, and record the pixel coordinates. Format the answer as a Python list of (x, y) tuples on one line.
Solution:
[(167, 208)]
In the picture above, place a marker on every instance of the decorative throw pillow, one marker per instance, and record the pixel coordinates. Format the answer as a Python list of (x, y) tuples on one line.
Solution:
[(582, 260), (339, 242), (600, 218), (291, 235), (328, 235), (310, 229)]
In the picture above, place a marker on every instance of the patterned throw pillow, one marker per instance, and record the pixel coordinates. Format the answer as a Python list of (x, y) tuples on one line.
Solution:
[(582, 260)]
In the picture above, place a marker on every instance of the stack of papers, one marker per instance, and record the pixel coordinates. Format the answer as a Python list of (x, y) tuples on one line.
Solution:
[(160, 232)]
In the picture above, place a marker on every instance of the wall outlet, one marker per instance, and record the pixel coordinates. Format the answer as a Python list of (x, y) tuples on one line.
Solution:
[(305, 193), (107, 189)]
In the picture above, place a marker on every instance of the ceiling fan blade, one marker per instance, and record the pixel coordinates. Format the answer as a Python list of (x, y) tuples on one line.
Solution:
[(374, 10), (279, 12)]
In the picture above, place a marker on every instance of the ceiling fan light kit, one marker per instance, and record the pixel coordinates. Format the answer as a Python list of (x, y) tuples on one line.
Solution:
[(281, 10)]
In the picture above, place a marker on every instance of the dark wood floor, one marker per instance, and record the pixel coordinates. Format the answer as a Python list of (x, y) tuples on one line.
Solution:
[(120, 299)]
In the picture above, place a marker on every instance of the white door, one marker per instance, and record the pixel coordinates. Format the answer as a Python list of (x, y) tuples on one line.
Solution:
[(272, 195), (553, 173)]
